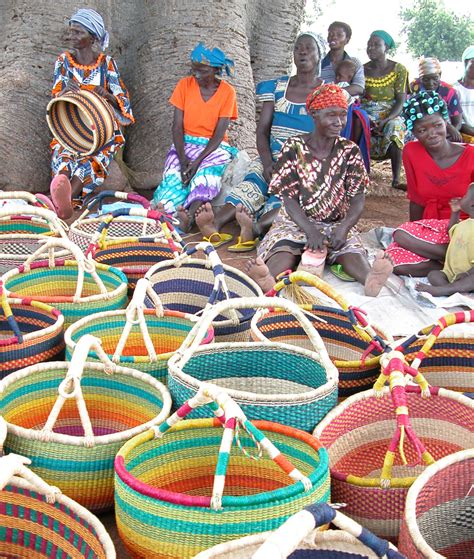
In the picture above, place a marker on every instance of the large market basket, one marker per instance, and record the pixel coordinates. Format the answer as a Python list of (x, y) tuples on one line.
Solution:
[(38, 522), (71, 419), (192, 285), (300, 538), (77, 287), (136, 336), (30, 332), (354, 345), (269, 380), (133, 255), (429, 423), (169, 483), (444, 352), (438, 520)]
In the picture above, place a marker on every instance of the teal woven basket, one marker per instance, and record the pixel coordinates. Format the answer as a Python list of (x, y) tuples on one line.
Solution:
[(270, 381)]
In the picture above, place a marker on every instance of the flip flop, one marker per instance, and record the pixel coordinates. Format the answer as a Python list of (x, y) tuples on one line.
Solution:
[(61, 193), (218, 239), (338, 271), (243, 246)]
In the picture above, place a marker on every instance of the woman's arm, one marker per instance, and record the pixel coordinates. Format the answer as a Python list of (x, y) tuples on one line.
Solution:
[(466, 129), (315, 238), (264, 127), (340, 232), (178, 140), (415, 211)]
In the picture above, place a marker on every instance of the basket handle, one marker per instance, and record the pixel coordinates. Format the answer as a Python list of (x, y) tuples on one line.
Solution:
[(70, 387), (232, 417), (8, 313), (20, 195), (134, 315), (97, 200), (54, 223), (14, 465), (283, 541)]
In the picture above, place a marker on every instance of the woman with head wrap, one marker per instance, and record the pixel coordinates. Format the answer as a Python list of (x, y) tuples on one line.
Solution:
[(204, 105), (385, 93), (437, 171), (83, 68), (429, 79), (321, 179), (465, 90)]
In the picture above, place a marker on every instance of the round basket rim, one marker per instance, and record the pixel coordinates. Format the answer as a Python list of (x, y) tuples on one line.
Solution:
[(74, 228)]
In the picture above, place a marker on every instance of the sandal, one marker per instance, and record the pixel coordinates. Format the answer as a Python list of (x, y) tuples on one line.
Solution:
[(243, 246), (338, 271), (399, 186), (218, 239)]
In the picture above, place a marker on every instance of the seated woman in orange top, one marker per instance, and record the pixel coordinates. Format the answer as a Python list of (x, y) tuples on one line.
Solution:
[(204, 106)]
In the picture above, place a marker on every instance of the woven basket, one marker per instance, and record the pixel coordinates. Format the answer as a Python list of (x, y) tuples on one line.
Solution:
[(271, 381), (30, 332), (136, 337), (81, 121), (358, 432), (76, 287), (298, 539), (445, 358), (192, 285), (38, 522), (438, 520), (163, 485), (352, 343), (78, 455)]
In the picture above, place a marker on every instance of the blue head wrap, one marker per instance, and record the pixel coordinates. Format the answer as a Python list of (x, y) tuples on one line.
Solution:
[(386, 38), (93, 22), (468, 53), (215, 58), (423, 104)]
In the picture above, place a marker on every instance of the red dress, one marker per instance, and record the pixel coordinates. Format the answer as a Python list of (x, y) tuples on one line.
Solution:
[(432, 187)]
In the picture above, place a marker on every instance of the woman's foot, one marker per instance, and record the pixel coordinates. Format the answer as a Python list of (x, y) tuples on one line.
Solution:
[(205, 220), (61, 195), (397, 185), (184, 219), (378, 275), (245, 220), (435, 290), (259, 272)]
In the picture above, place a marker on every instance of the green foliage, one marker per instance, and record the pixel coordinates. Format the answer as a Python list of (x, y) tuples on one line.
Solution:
[(432, 30)]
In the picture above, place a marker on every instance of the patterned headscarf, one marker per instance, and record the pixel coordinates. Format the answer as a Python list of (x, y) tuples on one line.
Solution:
[(212, 57), (325, 96), (468, 53), (386, 38), (319, 40), (92, 22), (423, 104), (428, 65)]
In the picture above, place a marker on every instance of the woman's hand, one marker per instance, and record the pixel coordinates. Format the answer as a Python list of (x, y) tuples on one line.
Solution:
[(455, 204), (190, 170), (378, 125), (338, 237), (453, 133), (317, 240), (71, 85), (268, 172)]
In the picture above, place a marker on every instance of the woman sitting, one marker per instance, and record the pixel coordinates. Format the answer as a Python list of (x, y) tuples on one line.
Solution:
[(321, 180), (429, 72), (437, 170), (385, 93), (204, 106), (465, 90), (75, 176)]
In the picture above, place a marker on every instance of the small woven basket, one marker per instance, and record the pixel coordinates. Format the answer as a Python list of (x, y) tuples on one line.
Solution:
[(192, 285), (163, 486), (298, 538), (39, 523), (76, 287), (95, 413), (269, 380), (30, 332), (137, 337), (438, 520)]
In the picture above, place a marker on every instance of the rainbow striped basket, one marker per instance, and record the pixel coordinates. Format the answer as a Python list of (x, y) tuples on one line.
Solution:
[(192, 285), (351, 341), (299, 538), (444, 356), (76, 287), (137, 337), (30, 332), (357, 433), (37, 521), (99, 407), (439, 519), (269, 380), (163, 485)]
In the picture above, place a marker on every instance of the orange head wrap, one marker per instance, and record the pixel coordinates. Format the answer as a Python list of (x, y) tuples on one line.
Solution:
[(324, 96)]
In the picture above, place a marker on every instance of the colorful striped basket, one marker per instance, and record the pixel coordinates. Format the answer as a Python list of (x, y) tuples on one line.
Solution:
[(192, 285), (137, 337), (76, 287), (445, 357), (298, 538), (351, 341), (271, 381), (38, 522), (439, 511), (94, 414), (163, 486), (30, 332)]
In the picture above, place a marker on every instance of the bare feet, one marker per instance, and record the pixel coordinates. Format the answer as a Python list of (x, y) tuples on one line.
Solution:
[(184, 219), (378, 275), (61, 195), (245, 220), (259, 272), (436, 290), (160, 207), (205, 220)]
